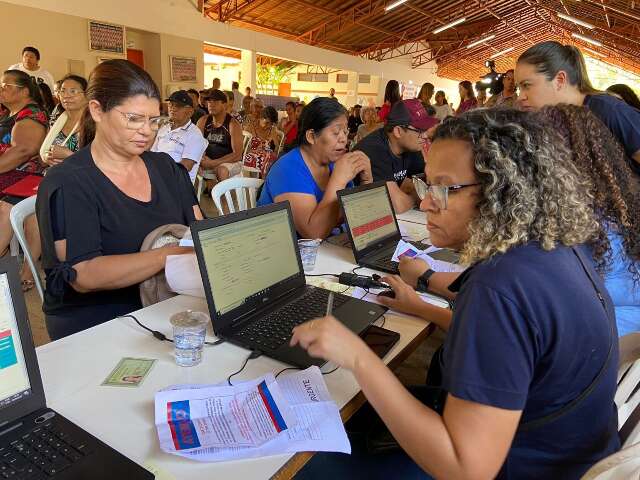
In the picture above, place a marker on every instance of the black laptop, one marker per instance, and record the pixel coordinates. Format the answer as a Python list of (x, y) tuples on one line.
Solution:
[(35, 441), (372, 226), (255, 286)]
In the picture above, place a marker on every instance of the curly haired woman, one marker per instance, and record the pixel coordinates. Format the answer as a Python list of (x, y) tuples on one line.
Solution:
[(532, 325), (616, 199)]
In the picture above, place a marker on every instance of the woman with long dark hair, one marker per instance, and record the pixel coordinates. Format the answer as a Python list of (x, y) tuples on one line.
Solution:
[(442, 107), (391, 97), (550, 73), (310, 175), (21, 134), (96, 208), (625, 93), (425, 94), (468, 99)]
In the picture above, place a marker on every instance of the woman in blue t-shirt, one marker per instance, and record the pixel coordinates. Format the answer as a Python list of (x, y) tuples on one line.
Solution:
[(310, 175), (550, 73), (532, 325)]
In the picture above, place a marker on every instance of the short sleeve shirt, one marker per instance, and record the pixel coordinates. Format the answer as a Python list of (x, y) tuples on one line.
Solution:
[(182, 142), (385, 165), (623, 120), (41, 74), (529, 333), (78, 202)]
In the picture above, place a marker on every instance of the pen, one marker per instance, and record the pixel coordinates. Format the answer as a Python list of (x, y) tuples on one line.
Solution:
[(329, 304)]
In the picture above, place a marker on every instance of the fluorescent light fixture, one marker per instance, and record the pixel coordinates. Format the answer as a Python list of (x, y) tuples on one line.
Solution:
[(482, 40), (395, 4), (502, 52), (577, 21), (449, 25), (219, 59), (592, 51), (586, 39)]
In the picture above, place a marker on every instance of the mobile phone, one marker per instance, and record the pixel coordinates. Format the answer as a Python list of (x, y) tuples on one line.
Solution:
[(380, 340)]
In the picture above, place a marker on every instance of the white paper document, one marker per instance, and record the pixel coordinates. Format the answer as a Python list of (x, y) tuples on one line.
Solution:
[(314, 423), (404, 249), (246, 415), (183, 275)]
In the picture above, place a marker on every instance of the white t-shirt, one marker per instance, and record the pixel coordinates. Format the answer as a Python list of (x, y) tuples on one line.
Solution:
[(40, 73), (237, 100), (182, 142), (442, 111)]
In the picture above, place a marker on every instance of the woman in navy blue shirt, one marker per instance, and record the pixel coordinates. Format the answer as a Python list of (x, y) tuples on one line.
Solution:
[(309, 176), (532, 325), (550, 73)]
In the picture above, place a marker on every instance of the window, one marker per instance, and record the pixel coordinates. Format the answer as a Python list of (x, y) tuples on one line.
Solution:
[(364, 78), (342, 78)]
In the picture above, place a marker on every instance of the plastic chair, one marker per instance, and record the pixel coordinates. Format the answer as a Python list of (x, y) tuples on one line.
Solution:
[(210, 174), (243, 187), (622, 465), (280, 144), (627, 396), (17, 217)]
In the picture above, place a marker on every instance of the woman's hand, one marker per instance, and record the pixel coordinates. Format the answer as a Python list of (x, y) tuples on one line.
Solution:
[(406, 299), (329, 339), (349, 166), (56, 154), (167, 250), (411, 269)]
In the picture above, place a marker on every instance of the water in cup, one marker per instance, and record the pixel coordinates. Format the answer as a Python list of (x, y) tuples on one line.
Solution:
[(308, 252), (189, 330)]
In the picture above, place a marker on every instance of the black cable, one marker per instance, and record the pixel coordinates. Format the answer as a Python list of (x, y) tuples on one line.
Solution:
[(285, 369), (357, 267), (384, 320), (254, 354), (329, 373), (161, 336)]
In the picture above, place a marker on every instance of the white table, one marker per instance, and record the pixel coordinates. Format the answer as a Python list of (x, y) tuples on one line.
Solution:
[(74, 367)]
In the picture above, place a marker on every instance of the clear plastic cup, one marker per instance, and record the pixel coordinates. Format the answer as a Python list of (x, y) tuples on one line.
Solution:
[(308, 252), (189, 330)]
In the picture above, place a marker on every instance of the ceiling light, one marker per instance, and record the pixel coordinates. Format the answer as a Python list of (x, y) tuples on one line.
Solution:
[(591, 50), (395, 4), (502, 52), (478, 42), (575, 20), (586, 39), (449, 25)]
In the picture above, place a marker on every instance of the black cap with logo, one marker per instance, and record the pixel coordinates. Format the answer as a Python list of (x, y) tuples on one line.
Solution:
[(181, 97)]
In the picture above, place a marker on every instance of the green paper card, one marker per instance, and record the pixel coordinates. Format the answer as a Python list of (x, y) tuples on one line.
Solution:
[(130, 372)]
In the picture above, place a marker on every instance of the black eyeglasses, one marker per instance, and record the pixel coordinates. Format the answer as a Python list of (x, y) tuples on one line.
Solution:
[(416, 130)]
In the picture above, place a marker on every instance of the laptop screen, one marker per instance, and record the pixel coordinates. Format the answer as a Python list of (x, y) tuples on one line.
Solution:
[(245, 258), (370, 216), (14, 378)]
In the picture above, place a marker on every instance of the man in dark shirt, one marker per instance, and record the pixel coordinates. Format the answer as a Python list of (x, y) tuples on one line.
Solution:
[(354, 121), (197, 111), (395, 152)]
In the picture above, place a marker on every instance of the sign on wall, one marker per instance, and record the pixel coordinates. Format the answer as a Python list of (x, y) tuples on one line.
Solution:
[(106, 37), (183, 69)]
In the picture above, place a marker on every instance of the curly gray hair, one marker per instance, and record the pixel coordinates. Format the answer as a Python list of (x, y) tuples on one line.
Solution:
[(531, 190)]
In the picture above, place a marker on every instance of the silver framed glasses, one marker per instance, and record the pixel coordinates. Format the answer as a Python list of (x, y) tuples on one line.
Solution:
[(439, 194), (135, 121)]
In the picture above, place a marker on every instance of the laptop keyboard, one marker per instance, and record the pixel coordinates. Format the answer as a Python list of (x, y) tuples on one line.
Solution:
[(42, 453), (272, 331)]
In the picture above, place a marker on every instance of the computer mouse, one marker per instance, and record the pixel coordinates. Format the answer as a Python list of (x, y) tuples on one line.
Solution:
[(387, 293)]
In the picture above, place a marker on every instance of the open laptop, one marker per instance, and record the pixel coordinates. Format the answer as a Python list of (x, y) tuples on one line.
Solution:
[(372, 226), (35, 441), (255, 286)]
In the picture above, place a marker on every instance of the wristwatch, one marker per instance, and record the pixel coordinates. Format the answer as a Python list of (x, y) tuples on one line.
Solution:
[(422, 285)]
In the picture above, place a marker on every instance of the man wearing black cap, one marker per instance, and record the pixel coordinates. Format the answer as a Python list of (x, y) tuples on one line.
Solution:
[(395, 152), (223, 155), (180, 138)]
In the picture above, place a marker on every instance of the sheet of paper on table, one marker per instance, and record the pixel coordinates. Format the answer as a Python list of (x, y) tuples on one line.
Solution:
[(317, 425)]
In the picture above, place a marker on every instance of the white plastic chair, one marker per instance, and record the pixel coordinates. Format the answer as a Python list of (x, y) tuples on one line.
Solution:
[(17, 217), (242, 187), (280, 144), (210, 174), (622, 465), (627, 396)]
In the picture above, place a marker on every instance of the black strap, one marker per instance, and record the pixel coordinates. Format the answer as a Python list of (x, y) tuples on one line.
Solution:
[(538, 422)]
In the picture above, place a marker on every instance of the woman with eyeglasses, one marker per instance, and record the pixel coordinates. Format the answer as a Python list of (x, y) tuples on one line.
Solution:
[(530, 361), (96, 208), (21, 133)]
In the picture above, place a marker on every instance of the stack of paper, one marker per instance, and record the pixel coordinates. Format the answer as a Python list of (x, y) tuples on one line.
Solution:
[(252, 419)]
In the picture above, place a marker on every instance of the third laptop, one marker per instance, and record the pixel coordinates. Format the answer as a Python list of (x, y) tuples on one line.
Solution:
[(255, 285)]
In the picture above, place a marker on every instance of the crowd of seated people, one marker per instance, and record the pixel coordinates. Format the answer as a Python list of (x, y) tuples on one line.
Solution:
[(537, 187)]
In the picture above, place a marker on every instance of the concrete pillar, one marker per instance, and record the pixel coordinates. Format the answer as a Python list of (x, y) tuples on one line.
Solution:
[(248, 71), (352, 89)]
